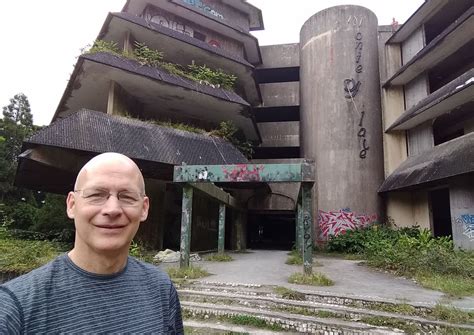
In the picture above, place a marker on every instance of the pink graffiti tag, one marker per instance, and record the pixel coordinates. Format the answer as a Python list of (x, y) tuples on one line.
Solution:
[(333, 223), (242, 173)]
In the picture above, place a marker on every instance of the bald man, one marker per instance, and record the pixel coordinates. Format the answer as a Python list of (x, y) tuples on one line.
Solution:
[(97, 287)]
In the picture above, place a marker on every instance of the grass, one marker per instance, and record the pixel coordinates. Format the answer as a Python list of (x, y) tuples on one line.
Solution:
[(219, 258), (246, 320), (392, 323), (21, 256), (452, 315), (287, 293), (454, 285), (187, 273), (315, 279)]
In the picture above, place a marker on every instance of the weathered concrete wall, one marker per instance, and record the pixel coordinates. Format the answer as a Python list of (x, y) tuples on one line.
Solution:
[(416, 90), (341, 125), (238, 231), (280, 134), (205, 223), (420, 139), (408, 209), (280, 55), (151, 231), (461, 195), (469, 126), (280, 94), (413, 44)]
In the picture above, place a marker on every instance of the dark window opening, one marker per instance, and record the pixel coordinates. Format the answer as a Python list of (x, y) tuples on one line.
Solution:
[(446, 16), (277, 114), (276, 152), (441, 213), (199, 36), (271, 231), (277, 75), (451, 126), (452, 67)]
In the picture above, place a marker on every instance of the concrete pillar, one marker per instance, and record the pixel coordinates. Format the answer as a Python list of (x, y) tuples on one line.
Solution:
[(306, 205), (221, 241), (341, 127), (186, 223), (299, 228), (461, 198)]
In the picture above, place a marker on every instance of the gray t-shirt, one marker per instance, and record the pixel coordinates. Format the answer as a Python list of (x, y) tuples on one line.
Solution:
[(62, 298)]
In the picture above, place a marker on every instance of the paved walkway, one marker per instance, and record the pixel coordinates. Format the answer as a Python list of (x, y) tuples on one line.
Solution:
[(267, 267)]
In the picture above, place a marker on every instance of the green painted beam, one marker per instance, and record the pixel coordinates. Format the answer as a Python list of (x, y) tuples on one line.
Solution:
[(221, 240), (186, 224), (306, 202), (299, 228), (244, 173), (214, 192)]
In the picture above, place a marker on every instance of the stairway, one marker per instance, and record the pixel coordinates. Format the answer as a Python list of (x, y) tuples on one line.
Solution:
[(215, 308)]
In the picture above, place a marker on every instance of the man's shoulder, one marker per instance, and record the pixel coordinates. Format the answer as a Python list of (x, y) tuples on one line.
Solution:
[(37, 276), (147, 269)]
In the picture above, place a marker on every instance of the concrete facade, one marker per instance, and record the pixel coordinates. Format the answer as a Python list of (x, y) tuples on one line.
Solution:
[(361, 100)]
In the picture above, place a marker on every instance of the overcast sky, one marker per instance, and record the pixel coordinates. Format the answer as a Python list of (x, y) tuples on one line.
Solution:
[(40, 40)]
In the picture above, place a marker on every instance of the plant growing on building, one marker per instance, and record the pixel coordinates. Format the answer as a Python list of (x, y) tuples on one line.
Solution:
[(212, 77), (228, 131), (147, 56), (104, 46)]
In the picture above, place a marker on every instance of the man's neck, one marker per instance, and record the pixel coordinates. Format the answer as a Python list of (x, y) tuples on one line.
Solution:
[(99, 264)]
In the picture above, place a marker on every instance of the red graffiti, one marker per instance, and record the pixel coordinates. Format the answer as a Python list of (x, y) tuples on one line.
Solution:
[(333, 223), (214, 43), (242, 173)]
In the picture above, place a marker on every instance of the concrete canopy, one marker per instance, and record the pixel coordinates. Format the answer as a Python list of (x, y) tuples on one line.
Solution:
[(193, 14), (458, 92), (160, 93), (181, 49), (453, 38), (450, 159), (64, 146)]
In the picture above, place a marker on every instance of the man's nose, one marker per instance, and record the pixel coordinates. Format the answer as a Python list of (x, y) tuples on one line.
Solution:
[(112, 205)]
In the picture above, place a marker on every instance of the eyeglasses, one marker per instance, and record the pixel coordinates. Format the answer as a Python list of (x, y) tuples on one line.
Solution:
[(97, 197)]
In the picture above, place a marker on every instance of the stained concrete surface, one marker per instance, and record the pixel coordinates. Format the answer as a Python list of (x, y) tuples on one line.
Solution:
[(351, 278)]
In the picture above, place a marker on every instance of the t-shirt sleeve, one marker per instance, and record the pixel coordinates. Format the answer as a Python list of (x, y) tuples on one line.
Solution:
[(10, 313), (176, 320)]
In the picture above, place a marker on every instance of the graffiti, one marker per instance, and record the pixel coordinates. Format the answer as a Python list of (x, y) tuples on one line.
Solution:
[(168, 23), (467, 223), (243, 173), (354, 20), (362, 133), (333, 223), (351, 87), (204, 7), (214, 43)]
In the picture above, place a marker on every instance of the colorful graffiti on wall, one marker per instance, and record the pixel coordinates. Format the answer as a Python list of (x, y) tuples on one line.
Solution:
[(242, 172), (333, 223), (467, 222)]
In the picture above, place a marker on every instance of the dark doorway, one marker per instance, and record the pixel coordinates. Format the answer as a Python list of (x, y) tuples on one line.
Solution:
[(441, 212), (271, 231)]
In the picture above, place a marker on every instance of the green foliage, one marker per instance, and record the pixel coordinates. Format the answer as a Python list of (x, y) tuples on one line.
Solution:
[(287, 293), (247, 320), (147, 56), (21, 256), (228, 131), (219, 258), (451, 314), (294, 258), (213, 77), (104, 46), (315, 279), (383, 321), (187, 273)]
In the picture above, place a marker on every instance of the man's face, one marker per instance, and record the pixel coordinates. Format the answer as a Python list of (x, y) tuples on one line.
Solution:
[(107, 228)]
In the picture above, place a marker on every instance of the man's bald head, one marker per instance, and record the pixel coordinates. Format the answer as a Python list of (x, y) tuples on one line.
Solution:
[(109, 159)]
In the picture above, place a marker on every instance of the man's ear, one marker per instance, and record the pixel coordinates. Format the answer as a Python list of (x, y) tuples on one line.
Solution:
[(145, 208), (70, 204)]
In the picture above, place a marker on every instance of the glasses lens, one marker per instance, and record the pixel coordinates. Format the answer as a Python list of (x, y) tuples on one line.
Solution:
[(128, 198), (95, 196)]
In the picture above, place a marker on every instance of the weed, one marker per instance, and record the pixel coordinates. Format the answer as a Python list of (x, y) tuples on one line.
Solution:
[(219, 258), (246, 320), (315, 279), (451, 314), (454, 285), (187, 273), (294, 260), (382, 321), (287, 293)]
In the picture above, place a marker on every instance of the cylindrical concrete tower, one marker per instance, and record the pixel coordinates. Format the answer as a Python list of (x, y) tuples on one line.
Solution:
[(341, 127)]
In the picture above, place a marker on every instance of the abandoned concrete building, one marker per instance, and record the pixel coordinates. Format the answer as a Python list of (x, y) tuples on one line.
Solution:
[(382, 114)]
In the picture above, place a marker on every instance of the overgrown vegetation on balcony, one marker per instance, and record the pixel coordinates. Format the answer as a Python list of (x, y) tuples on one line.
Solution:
[(149, 57)]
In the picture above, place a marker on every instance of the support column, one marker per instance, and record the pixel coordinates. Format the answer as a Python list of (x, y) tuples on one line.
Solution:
[(221, 241), (299, 228), (306, 204), (186, 222)]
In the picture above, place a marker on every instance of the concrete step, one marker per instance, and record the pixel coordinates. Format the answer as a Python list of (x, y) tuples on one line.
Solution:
[(195, 327), (287, 321), (314, 309)]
